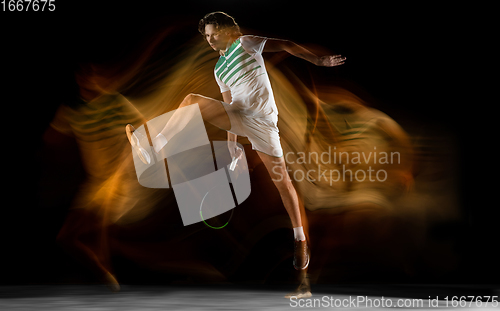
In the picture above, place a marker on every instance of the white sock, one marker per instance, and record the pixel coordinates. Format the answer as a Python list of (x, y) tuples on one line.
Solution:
[(298, 233), (159, 142)]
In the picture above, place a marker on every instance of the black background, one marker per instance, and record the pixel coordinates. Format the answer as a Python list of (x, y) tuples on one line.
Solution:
[(412, 59)]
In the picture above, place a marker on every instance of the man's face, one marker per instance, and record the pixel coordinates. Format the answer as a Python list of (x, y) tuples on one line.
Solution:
[(217, 39)]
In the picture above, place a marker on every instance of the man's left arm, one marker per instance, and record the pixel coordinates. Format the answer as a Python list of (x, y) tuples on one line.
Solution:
[(278, 45)]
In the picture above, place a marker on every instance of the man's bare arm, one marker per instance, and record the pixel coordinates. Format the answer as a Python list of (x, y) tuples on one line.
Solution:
[(226, 97), (278, 45), (231, 138)]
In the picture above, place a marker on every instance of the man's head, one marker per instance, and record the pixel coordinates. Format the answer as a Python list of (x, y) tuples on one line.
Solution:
[(219, 29)]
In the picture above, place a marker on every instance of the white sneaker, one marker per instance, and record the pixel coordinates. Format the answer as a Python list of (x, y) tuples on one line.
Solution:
[(134, 138)]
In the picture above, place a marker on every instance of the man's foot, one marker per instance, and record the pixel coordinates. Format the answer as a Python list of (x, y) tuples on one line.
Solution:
[(301, 255), (303, 290), (134, 138)]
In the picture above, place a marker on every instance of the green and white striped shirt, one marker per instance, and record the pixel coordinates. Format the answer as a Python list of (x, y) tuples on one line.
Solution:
[(242, 71)]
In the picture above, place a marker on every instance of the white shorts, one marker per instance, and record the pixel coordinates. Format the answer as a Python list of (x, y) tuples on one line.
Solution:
[(262, 132)]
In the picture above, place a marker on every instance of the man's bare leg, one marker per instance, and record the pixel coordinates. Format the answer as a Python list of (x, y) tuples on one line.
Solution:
[(211, 109), (277, 170)]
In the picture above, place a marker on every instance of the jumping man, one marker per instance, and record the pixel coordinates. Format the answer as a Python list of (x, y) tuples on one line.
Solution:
[(248, 107)]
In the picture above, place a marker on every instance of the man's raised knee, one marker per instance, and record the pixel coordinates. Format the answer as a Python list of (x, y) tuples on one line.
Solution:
[(190, 99)]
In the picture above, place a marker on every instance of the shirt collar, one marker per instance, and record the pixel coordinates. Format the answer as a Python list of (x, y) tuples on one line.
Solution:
[(229, 45)]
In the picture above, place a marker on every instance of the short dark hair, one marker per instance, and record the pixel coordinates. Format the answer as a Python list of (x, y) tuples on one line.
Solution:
[(221, 21)]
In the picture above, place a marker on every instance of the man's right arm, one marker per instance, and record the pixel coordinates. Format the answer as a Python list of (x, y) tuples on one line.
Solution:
[(231, 138), (227, 98)]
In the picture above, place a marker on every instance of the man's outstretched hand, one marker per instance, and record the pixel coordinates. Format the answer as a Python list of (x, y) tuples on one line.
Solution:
[(331, 60)]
